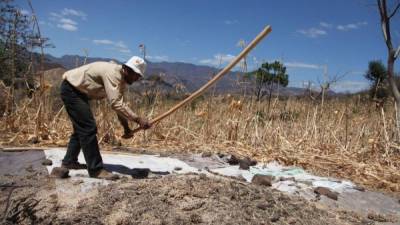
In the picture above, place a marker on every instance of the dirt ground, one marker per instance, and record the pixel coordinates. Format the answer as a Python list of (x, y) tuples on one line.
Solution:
[(172, 199)]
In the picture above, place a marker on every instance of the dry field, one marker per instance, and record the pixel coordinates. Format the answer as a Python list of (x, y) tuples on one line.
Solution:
[(345, 138)]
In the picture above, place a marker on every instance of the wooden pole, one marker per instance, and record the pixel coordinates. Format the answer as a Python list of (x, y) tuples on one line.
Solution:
[(199, 92)]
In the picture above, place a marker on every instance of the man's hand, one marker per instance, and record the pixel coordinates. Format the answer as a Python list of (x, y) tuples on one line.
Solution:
[(143, 123), (128, 133)]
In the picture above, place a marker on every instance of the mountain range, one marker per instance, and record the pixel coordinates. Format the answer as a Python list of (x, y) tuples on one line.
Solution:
[(190, 75)]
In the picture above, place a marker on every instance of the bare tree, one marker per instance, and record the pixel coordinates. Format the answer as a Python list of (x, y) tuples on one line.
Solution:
[(393, 53), (324, 86)]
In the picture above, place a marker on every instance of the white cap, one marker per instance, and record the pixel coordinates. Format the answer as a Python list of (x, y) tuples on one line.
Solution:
[(137, 64)]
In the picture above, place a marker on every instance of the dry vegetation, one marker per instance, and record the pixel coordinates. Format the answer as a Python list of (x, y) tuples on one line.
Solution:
[(346, 137)]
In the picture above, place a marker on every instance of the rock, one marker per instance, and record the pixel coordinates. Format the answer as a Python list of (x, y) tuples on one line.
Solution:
[(59, 172), (264, 180), (292, 221), (287, 179), (251, 162), (327, 192), (32, 139), (263, 205), (359, 188), (140, 173), (233, 160), (275, 218), (206, 154), (220, 154), (244, 165), (47, 162)]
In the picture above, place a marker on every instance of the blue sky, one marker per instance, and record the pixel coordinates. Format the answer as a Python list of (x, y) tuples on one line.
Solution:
[(307, 34)]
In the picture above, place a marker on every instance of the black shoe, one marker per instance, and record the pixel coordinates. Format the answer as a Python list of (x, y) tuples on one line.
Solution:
[(74, 166)]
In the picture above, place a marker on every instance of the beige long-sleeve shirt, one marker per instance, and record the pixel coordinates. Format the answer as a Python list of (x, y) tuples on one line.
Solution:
[(99, 80)]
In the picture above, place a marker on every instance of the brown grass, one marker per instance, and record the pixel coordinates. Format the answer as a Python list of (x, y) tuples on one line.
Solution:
[(347, 138)]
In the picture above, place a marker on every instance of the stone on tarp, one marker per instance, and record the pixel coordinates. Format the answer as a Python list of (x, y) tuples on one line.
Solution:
[(264, 180), (140, 173), (327, 192), (233, 160), (47, 162), (60, 172), (245, 163), (359, 188), (252, 162)]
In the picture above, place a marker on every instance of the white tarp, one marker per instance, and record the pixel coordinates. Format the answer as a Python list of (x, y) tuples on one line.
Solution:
[(169, 164), (303, 183)]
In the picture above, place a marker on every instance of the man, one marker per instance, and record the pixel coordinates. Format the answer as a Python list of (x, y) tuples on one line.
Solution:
[(96, 81)]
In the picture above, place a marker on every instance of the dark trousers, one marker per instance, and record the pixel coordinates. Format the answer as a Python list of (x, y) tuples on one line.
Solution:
[(85, 130)]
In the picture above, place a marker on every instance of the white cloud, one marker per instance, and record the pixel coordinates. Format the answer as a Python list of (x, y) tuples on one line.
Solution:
[(73, 12), (231, 22), (350, 86), (351, 26), (302, 65), (116, 45), (67, 24), (54, 15), (62, 20), (67, 27), (313, 32), (158, 57), (67, 21), (103, 42), (218, 59), (326, 25)]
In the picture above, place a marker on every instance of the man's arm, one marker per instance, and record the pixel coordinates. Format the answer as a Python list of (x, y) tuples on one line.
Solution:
[(128, 133), (124, 123), (113, 88)]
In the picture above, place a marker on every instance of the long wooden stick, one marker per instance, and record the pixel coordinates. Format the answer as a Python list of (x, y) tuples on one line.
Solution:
[(199, 92)]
